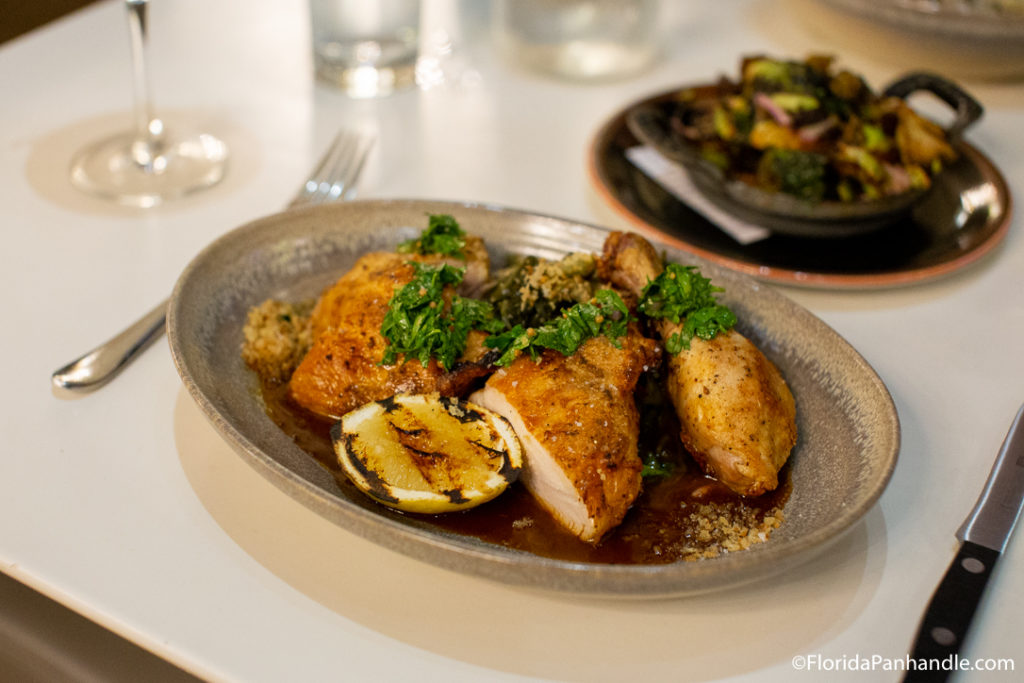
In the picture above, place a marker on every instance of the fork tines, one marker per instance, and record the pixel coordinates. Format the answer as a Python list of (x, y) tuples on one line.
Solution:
[(335, 176)]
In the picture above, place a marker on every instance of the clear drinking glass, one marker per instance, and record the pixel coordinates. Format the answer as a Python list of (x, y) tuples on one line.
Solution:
[(586, 40), (366, 48), (147, 165)]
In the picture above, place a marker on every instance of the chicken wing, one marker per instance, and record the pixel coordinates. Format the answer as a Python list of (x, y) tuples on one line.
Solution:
[(737, 415), (342, 370), (578, 424)]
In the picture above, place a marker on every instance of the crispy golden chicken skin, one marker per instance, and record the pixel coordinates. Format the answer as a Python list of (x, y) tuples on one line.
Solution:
[(737, 414), (342, 370), (578, 423)]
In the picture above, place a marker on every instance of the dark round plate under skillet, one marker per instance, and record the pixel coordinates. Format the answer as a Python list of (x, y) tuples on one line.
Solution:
[(963, 218)]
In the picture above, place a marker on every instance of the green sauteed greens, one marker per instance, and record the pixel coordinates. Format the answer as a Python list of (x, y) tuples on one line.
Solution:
[(419, 325), (606, 314)]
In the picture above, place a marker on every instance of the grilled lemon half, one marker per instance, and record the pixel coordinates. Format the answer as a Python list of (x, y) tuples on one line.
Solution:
[(427, 453)]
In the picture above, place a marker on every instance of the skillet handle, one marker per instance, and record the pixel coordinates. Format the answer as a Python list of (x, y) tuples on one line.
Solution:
[(967, 109)]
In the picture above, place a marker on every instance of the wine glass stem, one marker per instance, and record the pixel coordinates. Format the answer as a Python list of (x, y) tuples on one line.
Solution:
[(148, 128)]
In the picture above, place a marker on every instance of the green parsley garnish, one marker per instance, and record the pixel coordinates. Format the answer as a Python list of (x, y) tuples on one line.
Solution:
[(442, 236), (682, 294), (605, 315), (705, 323), (419, 325)]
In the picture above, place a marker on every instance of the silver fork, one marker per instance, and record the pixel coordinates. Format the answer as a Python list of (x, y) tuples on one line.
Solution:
[(334, 178)]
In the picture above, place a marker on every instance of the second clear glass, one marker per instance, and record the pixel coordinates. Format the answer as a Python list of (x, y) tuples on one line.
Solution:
[(585, 40), (367, 49)]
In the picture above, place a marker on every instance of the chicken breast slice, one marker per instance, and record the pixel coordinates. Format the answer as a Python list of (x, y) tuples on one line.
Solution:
[(579, 425)]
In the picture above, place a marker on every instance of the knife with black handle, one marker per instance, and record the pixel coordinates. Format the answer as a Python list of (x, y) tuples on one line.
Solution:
[(983, 537)]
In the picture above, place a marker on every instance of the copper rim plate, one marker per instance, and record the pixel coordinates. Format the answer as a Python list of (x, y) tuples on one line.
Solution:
[(963, 219)]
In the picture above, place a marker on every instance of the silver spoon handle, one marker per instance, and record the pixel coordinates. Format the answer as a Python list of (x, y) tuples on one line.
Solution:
[(102, 364)]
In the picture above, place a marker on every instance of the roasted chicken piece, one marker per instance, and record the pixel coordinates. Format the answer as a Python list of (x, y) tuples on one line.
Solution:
[(579, 425), (342, 370), (737, 415)]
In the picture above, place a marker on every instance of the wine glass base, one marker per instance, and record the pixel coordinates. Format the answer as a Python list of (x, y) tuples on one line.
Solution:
[(179, 167)]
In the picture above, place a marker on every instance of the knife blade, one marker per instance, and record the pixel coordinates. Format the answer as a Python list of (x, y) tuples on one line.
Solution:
[(983, 537)]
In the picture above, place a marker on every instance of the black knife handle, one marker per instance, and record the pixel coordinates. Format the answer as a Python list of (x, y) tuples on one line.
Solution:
[(949, 614)]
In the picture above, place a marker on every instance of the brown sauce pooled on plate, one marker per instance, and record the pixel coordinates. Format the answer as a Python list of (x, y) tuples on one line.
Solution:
[(683, 515)]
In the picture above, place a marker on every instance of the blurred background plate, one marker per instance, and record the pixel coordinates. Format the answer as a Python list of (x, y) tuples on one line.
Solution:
[(982, 20), (965, 38), (964, 218)]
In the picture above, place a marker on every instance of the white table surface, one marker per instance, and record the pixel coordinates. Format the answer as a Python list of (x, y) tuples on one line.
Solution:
[(126, 506)]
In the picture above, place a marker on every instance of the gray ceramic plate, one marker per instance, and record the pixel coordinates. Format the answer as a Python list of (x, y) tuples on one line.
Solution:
[(849, 430)]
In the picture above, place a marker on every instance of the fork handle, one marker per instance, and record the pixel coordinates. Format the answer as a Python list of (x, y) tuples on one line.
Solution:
[(102, 364)]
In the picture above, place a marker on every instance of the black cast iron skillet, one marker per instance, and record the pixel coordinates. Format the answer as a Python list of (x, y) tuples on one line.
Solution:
[(785, 213)]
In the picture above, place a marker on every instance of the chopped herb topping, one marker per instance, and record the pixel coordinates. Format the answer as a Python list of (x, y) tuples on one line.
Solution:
[(422, 323), (442, 236), (606, 314), (682, 295), (705, 323), (419, 325)]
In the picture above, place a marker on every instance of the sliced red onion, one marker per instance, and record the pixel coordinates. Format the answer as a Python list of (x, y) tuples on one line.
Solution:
[(899, 179), (780, 115), (813, 132)]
